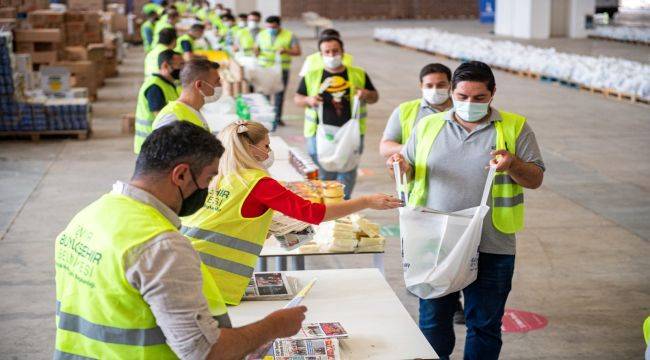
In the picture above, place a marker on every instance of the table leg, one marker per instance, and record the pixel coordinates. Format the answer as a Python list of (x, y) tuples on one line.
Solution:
[(378, 262), (298, 262), (262, 264), (281, 263)]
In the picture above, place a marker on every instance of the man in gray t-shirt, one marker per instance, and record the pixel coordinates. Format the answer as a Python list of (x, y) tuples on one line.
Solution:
[(455, 176), (435, 80)]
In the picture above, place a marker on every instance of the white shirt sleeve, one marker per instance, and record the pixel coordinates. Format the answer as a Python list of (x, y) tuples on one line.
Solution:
[(166, 271)]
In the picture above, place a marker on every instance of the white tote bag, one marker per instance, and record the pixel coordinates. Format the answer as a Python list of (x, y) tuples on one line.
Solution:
[(267, 80), (339, 148), (440, 250)]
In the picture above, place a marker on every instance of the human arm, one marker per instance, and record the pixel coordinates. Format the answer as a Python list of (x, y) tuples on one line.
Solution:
[(527, 167), (238, 342), (294, 48), (369, 94), (303, 100), (390, 142)]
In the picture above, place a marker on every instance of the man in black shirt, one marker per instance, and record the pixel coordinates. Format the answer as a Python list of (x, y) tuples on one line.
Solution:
[(332, 87)]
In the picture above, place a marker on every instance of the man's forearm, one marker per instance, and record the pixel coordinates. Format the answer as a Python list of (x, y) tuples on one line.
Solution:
[(238, 342), (373, 97), (300, 100), (389, 147), (528, 175)]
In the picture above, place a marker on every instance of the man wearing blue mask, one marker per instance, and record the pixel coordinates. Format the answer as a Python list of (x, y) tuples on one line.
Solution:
[(447, 155), (270, 43)]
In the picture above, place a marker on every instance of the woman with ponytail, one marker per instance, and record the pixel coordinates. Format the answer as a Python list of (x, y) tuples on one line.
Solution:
[(230, 230)]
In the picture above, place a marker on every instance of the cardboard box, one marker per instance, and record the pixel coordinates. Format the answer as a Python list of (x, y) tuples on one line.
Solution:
[(110, 68), (128, 123), (75, 33), (55, 80), (96, 53), (88, 5), (83, 75), (8, 12), (76, 53), (44, 57), (74, 16), (38, 35), (46, 19)]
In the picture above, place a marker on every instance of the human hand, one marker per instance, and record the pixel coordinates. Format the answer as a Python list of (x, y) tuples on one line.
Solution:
[(382, 202), (287, 322), (404, 166), (314, 101), (502, 160)]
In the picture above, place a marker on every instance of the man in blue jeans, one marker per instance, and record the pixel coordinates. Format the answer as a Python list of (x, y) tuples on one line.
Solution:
[(447, 155), (329, 92)]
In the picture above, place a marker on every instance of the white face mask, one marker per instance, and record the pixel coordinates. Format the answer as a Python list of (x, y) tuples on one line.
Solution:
[(241, 24), (253, 24), (217, 91), (332, 62), (470, 111), (435, 96), (268, 162)]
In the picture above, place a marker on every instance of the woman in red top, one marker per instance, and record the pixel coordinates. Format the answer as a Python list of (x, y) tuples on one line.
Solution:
[(229, 231)]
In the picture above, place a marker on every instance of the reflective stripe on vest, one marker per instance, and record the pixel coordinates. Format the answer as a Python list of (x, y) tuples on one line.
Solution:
[(228, 243), (143, 116), (313, 81), (507, 196), (269, 48), (408, 113), (99, 313), (108, 334), (151, 59), (182, 113), (315, 61), (184, 37), (246, 42)]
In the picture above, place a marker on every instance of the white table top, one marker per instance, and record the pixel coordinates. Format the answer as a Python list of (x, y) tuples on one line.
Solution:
[(273, 248), (363, 302)]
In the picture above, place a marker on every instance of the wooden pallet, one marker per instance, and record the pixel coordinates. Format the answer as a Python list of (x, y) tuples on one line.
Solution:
[(632, 42), (36, 135)]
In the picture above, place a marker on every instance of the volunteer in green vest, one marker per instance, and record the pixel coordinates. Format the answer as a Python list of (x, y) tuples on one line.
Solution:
[(155, 93), (270, 42), (185, 43), (446, 158), (230, 229), (130, 286), (167, 21), (242, 22), (315, 60), (435, 81), (245, 39), (146, 31), (166, 41), (343, 84), (201, 84), (152, 7)]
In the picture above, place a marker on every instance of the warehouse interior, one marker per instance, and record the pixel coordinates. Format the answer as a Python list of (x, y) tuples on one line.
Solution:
[(577, 70)]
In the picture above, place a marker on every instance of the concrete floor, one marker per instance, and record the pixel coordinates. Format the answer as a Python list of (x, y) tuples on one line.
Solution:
[(582, 260)]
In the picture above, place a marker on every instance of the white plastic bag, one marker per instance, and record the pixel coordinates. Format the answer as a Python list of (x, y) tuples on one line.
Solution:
[(339, 148), (440, 250), (267, 80)]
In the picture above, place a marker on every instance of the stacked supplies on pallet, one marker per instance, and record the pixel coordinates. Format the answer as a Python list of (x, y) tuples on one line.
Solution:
[(624, 33), (605, 73), (8, 105)]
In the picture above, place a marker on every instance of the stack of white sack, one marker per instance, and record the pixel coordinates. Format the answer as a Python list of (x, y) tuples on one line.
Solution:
[(623, 76), (628, 33)]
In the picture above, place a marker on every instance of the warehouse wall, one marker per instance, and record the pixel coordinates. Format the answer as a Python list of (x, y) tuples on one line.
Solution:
[(380, 9)]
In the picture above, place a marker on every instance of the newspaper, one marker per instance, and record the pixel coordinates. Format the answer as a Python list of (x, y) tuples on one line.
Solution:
[(288, 349), (312, 331), (271, 286), (289, 232)]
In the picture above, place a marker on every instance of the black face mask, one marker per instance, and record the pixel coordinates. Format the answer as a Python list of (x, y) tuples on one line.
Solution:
[(194, 202), (176, 74)]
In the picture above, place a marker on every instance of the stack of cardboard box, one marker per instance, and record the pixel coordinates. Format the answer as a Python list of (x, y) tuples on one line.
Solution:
[(42, 44)]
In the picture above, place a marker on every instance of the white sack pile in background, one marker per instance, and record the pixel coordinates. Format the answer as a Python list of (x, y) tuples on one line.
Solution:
[(617, 74), (629, 33)]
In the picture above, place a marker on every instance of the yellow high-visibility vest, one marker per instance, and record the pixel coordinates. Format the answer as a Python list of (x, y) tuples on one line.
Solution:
[(228, 243), (507, 196)]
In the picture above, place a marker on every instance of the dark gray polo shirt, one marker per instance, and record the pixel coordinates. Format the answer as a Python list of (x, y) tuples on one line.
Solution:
[(393, 130), (457, 174)]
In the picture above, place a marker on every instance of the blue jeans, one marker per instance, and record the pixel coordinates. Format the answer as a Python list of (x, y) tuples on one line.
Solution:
[(349, 179), (278, 99), (485, 300)]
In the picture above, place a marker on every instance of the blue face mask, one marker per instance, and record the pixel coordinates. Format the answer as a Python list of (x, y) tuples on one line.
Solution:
[(273, 32), (470, 111)]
